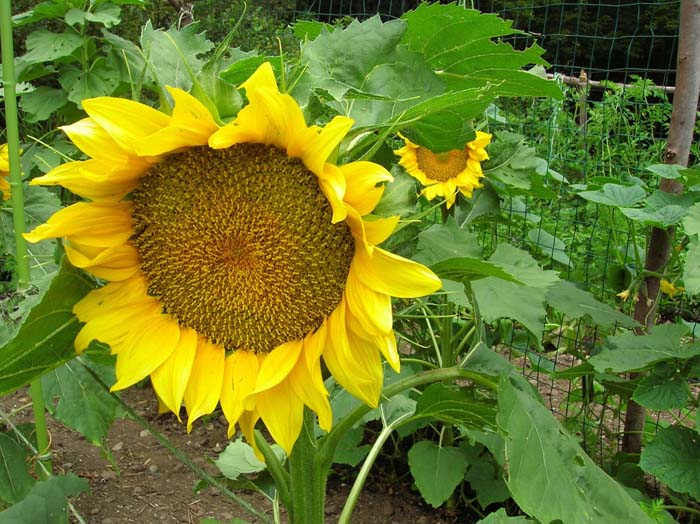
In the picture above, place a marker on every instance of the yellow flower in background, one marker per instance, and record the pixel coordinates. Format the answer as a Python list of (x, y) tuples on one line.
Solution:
[(624, 295), (239, 258), (669, 289), (4, 172), (444, 174)]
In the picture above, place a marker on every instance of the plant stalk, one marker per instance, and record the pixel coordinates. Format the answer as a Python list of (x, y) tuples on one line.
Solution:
[(308, 477), (18, 219)]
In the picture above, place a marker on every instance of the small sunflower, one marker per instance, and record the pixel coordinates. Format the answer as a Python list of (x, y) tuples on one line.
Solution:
[(4, 172), (237, 256), (444, 174)]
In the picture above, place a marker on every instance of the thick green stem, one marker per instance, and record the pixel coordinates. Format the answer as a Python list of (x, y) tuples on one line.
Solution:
[(21, 260), (308, 478)]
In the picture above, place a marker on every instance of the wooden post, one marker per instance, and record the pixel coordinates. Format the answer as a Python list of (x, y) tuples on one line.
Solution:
[(685, 103)]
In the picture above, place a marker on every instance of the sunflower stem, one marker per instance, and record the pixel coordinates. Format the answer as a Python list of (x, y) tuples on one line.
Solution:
[(308, 477), (18, 220), (275, 468)]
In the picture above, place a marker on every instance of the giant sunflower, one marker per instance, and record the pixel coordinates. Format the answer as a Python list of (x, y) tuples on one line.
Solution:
[(444, 174), (236, 256), (4, 172)]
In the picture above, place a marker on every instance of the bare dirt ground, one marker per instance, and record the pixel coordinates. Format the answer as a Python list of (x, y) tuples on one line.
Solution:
[(149, 485)]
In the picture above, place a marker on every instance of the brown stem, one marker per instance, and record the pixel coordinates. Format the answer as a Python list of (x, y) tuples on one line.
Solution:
[(677, 151)]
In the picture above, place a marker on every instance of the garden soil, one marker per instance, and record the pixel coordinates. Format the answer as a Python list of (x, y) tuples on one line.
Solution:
[(149, 485)]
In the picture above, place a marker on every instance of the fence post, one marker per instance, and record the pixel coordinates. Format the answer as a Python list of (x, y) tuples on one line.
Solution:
[(685, 103)]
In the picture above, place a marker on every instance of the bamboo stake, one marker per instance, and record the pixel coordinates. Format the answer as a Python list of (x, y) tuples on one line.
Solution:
[(677, 151), (22, 262)]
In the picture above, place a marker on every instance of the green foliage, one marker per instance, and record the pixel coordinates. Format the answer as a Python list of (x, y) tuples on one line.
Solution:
[(15, 480), (549, 475), (674, 457), (45, 338), (74, 395), (46, 501), (436, 469)]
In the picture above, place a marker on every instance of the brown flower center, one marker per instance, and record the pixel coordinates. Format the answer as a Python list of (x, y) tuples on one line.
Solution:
[(441, 167), (238, 244)]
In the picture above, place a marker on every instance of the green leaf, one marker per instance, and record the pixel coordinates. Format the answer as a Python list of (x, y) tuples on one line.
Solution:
[(691, 271), (99, 80), (350, 449), (549, 245), (40, 104), (615, 195), (41, 11), (444, 241), (501, 517), (666, 170), (240, 70), (455, 406), (662, 389), (576, 303), (485, 478), (175, 54), (399, 197), (74, 397), (522, 266), (437, 470), (239, 459), (15, 480), (469, 269), (674, 458), (691, 222), (105, 14), (550, 477), (45, 46), (458, 43), (663, 217), (46, 502), (630, 352), (45, 339)]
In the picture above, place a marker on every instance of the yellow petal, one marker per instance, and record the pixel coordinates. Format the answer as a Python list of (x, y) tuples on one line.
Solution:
[(247, 423), (277, 365), (270, 118), (145, 350), (332, 183), (393, 275), (370, 308), (94, 179), (354, 363), (129, 123), (307, 383), (282, 412), (204, 387), (325, 143), (113, 263), (113, 326), (243, 367), (112, 296), (191, 125), (171, 378), (363, 190), (95, 142), (100, 224)]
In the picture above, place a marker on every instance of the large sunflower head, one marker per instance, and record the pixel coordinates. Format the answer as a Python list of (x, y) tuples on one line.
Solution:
[(237, 256), (445, 174), (4, 172)]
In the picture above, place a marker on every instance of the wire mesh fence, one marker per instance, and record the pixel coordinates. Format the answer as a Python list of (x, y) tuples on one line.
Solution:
[(615, 61)]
